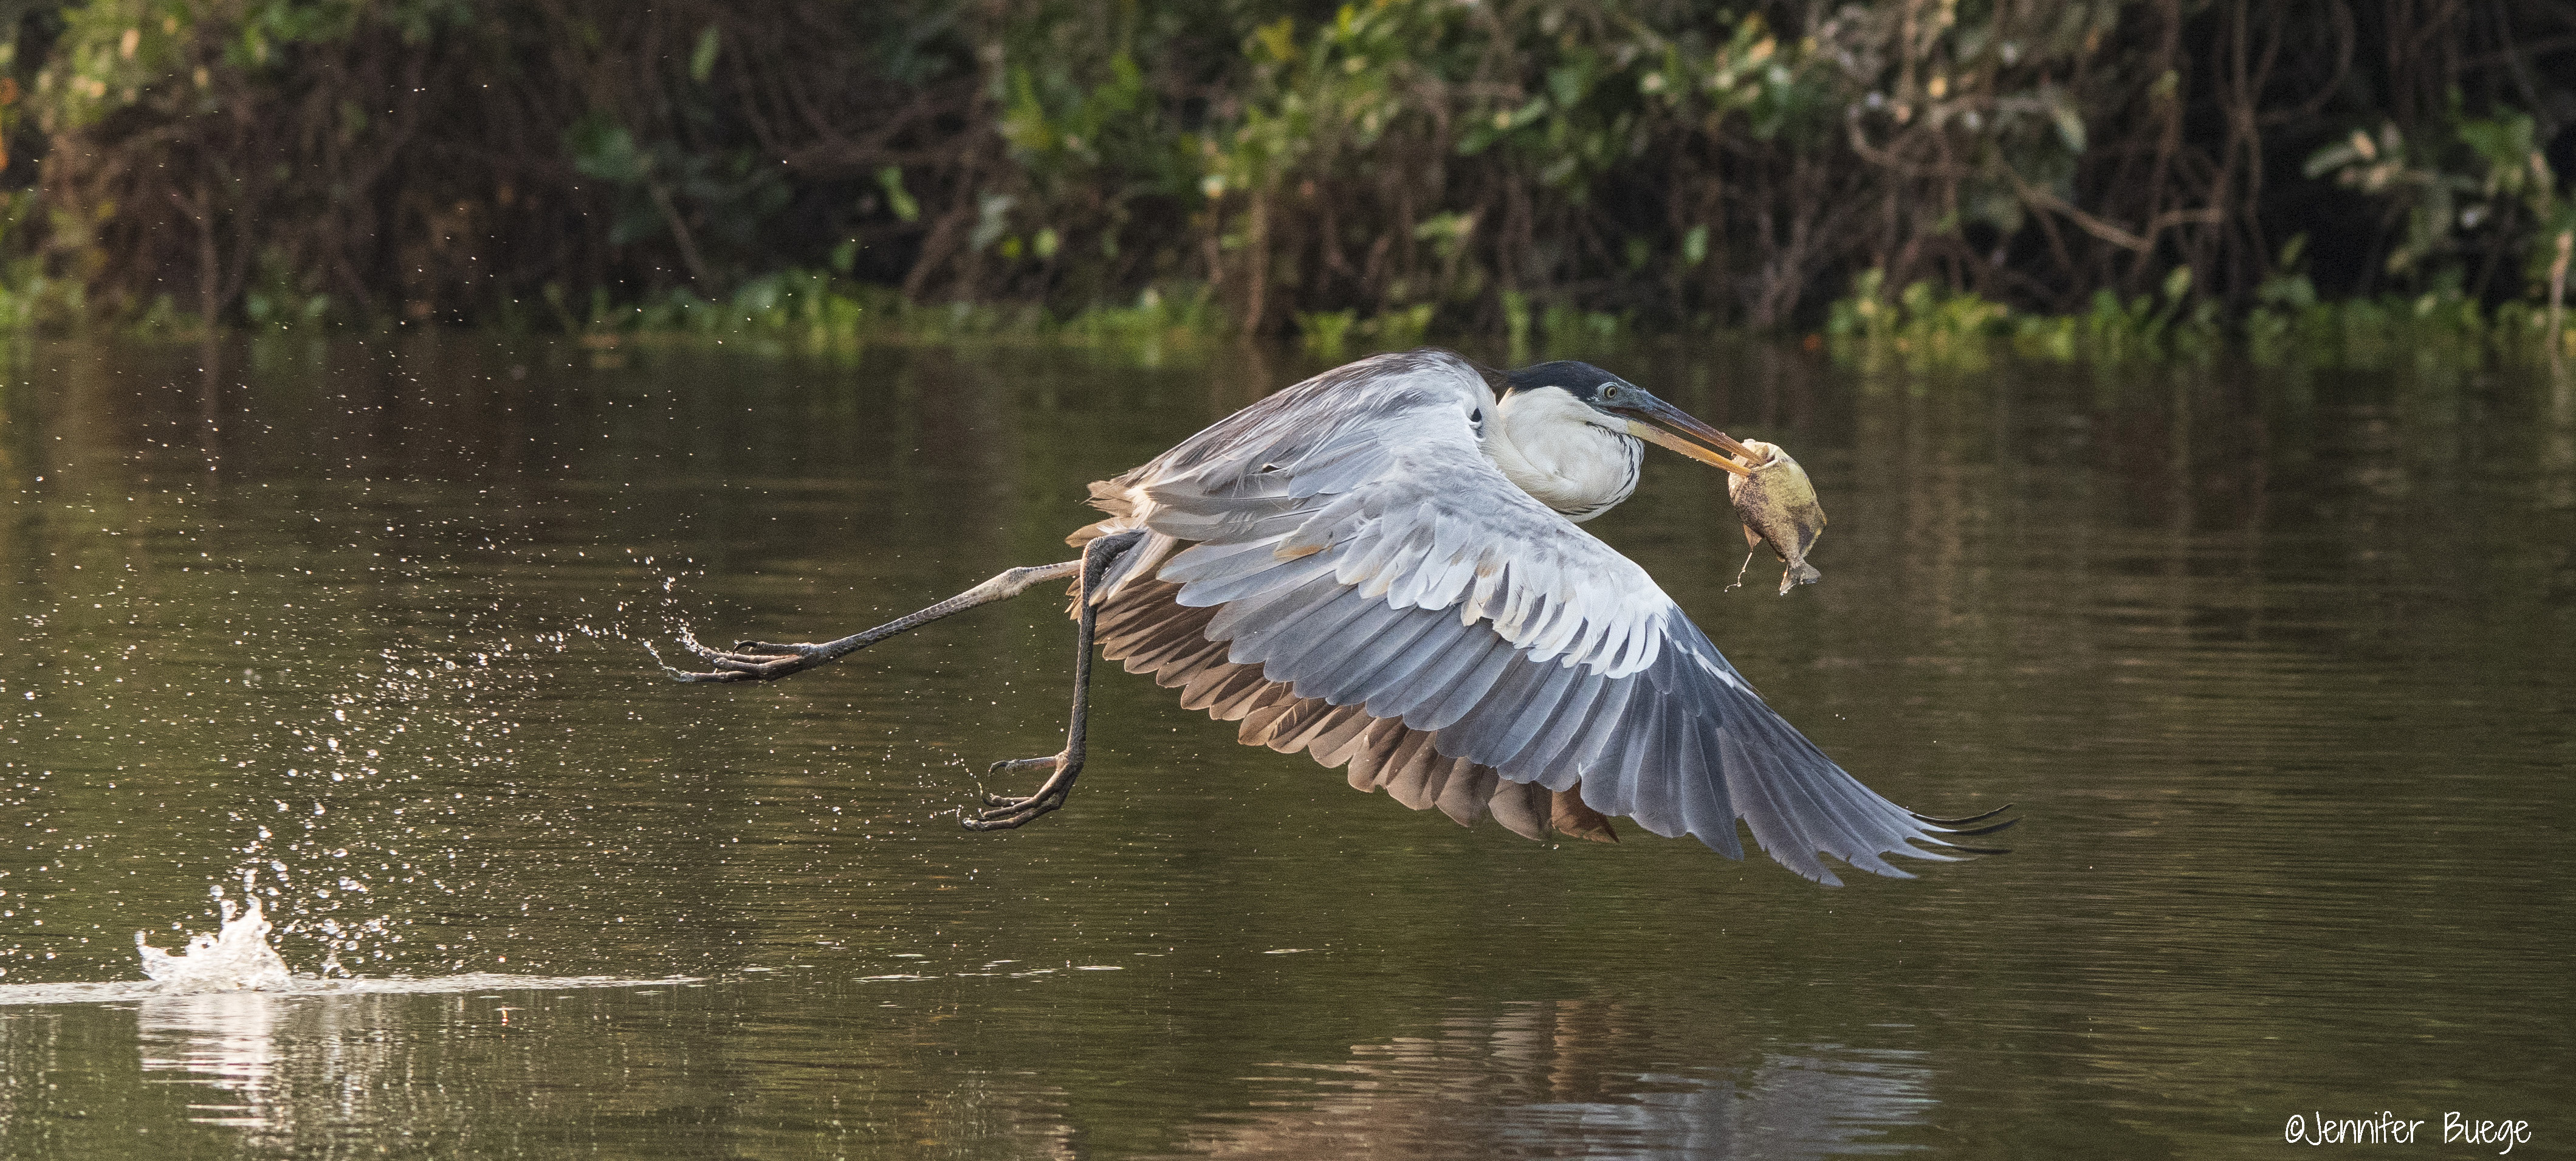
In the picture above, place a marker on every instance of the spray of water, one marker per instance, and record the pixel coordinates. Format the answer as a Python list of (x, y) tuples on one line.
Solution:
[(235, 959)]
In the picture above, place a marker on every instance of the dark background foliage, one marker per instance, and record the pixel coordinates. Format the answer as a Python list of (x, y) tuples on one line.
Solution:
[(1456, 164)]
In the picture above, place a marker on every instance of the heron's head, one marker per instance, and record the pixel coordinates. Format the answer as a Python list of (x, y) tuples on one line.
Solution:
[(1610, 402)]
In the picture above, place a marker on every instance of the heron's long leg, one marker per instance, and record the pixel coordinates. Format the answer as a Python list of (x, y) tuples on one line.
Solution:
[(1006, 813), (767, 661)]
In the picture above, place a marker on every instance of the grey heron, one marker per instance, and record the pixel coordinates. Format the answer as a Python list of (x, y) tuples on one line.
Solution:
[(1383, 567)]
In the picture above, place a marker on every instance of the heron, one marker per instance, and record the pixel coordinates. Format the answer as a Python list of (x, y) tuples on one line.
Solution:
[(1385, 568)]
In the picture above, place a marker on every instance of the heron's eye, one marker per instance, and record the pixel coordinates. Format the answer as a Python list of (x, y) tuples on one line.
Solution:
[(1609, 393)]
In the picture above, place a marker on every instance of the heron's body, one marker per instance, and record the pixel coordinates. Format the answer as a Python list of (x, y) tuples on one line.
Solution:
[(1380, 567)]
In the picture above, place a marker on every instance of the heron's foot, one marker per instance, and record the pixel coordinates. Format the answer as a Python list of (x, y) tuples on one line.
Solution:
[(1005, 812), (750, 660)]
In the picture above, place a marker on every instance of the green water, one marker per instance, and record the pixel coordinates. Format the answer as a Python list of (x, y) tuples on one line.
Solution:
[(2279, 666)]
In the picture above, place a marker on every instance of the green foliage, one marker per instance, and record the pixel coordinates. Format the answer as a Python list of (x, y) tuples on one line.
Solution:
[(1924, 324), (112, 53), (2464, 185), (898, 199), (279, 300), (1157, 324), (109, 53), (1326, 333), (817, 313), (30, 297), (2440, 326), (1401, 329), (1311, 104), (2072, 179), (1572, 331), (733, 195), (1927, 326), (2000, 100), (1517, 324), (702, 59)]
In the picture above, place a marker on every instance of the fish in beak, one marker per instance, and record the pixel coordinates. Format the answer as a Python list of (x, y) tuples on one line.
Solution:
[(1770, 492), (1778, 506)]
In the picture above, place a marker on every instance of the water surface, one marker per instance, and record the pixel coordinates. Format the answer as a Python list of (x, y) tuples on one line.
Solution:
[(2279, 666)]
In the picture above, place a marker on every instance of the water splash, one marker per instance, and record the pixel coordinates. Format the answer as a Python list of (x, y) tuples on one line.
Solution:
[(235, 959), (238, 959)]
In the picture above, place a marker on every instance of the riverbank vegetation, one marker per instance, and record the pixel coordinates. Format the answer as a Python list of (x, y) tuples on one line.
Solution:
[(2092, 179)]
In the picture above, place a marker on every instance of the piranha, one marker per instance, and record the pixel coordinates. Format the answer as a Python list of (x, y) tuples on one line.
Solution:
[(1778, 505)]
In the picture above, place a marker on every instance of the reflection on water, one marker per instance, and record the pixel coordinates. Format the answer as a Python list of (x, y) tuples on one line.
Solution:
[(1561, 1079), (222, 1040), (2281, 667)]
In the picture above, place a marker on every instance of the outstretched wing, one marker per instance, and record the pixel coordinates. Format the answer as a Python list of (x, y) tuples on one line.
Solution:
[(1340, 568)]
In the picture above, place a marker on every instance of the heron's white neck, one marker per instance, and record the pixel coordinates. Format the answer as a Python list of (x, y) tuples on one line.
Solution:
[(1544, 441)]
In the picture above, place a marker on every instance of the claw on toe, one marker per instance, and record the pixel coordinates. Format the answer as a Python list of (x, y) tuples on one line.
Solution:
[(746, 661), (1012, 813), (1007, 812)]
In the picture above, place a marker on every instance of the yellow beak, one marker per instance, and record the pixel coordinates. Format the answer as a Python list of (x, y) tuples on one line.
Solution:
[(1658, 422)]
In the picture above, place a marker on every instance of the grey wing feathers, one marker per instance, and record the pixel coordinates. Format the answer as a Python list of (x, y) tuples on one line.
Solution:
[(1340, 570), (1150, 632)]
